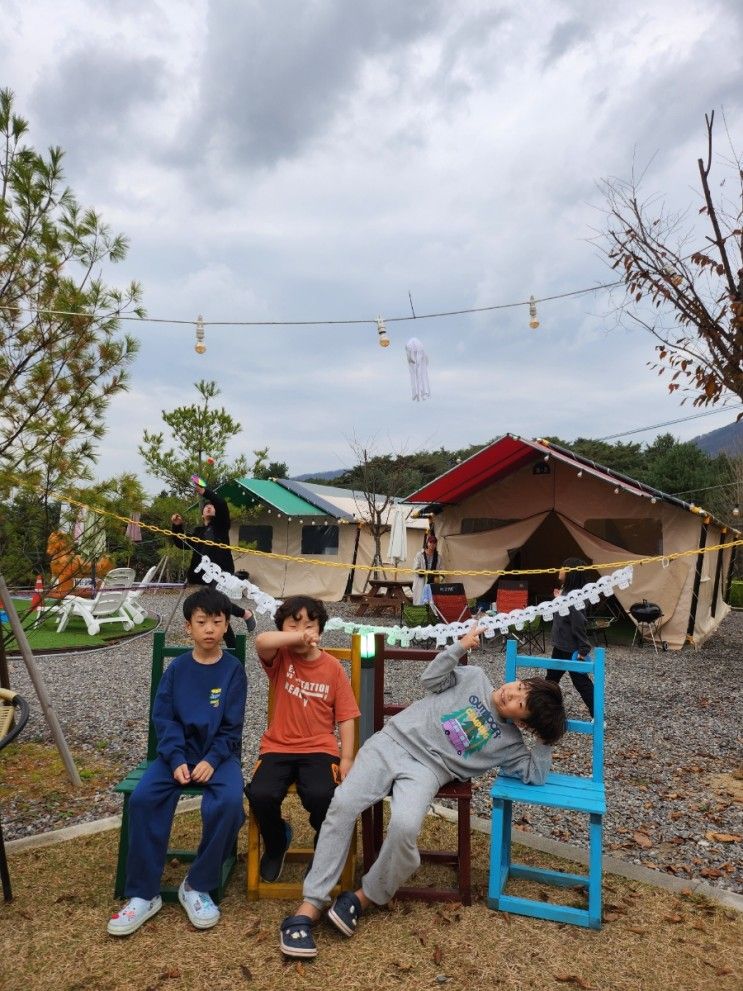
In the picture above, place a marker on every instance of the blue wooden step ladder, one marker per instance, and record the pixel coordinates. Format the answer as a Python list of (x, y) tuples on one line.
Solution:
[(561, 791)]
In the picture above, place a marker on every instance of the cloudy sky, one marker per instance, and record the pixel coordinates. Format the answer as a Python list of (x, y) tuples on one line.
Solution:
[(288, 160)]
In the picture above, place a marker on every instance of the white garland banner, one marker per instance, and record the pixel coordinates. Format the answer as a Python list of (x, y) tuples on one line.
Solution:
[(237, 588)]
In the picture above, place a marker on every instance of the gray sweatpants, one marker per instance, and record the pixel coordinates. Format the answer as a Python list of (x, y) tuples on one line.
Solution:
[(381, 764)]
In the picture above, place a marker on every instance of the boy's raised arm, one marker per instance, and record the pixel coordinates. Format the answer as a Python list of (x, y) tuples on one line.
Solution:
[(221, 509), (439, 674), (268, 644)]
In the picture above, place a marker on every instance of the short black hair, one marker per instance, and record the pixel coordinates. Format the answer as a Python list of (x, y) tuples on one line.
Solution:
[(546, 712), (293, 607), (209, 600), (575, 579)]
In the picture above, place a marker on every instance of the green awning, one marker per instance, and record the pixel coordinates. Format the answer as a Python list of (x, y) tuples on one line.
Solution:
[(250, 492)]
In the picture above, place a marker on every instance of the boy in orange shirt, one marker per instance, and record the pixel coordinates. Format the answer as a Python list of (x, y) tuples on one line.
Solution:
[(312, 694)]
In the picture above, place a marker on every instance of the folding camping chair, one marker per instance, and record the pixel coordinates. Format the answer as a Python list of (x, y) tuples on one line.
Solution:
[(512, 594), (449, 602)]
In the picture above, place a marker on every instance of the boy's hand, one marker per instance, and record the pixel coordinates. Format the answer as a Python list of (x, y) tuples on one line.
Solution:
[(177, 519), (471, 639), (182, 774), (202, 772), (306, 638), (345, 766)]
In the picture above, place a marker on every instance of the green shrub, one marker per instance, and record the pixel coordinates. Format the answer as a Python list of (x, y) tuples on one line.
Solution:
[(735, 596)]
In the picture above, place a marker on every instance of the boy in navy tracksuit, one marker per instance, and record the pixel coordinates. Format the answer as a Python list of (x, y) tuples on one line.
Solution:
[(198, 715)]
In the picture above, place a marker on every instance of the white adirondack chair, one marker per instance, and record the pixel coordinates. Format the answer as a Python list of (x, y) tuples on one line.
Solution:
[(131, 605), (106, 607)]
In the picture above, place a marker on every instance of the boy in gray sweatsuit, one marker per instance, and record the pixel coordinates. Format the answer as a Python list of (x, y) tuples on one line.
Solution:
[(462, 728)]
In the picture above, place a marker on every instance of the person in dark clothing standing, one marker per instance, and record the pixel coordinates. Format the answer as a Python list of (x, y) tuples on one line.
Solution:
[(569, 632), (215, 514)]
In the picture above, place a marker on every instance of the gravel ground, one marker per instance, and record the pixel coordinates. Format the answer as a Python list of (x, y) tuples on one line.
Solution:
[(673, 764)]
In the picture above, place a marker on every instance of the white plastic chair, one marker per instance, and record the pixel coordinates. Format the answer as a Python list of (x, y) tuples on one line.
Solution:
[(106, 607), (131, 605)]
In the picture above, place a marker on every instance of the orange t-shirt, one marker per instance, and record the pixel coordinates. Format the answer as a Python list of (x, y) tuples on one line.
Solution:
[(310, 698)]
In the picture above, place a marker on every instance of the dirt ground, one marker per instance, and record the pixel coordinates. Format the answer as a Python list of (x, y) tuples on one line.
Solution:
[(52, 935)]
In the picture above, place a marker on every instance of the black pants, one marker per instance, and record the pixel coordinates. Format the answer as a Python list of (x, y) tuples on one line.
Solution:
[(315, 775), (582, 683)]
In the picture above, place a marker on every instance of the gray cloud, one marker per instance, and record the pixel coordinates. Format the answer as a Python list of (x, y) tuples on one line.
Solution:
[(93, 93), (275, 75), (566, 36)]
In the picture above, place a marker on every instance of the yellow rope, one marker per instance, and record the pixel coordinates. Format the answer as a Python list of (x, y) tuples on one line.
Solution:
[(484, 573)]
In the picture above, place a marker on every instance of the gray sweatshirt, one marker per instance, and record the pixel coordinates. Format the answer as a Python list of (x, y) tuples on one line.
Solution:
[(456, 731)]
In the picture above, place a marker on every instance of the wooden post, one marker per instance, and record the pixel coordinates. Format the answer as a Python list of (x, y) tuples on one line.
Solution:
[(38, 683), (4, 673)]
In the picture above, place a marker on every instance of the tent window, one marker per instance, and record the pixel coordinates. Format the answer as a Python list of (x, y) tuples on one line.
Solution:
[(261, 536), (478, 524), (638, 536), (320, 539)]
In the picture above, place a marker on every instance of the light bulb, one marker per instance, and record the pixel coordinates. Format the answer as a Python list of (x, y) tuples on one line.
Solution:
[(533, 319), (616, 490), (384, 341), (653, 501), (736, 510), (199, 347), (580, 473)]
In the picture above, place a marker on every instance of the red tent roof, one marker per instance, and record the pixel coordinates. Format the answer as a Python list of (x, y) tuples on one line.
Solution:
[(491, 463), (510, 453)]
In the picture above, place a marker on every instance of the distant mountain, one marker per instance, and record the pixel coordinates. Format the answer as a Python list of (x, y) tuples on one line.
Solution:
[(329, 475), (724, 440)]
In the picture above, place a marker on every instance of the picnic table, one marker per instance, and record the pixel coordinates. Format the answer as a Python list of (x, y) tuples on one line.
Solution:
[(384, 593)]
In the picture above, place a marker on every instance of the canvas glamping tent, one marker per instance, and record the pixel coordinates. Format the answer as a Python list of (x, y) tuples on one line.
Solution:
[(529, 504), (308, 522)]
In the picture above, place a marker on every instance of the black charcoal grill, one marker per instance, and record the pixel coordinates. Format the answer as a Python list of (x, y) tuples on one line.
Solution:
[(648, 616)]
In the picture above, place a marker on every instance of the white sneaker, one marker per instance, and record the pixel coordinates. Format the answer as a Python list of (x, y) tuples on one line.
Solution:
[(200, 909), (136, 911)]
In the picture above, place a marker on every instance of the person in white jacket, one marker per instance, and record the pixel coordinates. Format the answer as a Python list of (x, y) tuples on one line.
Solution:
[(426, 559)]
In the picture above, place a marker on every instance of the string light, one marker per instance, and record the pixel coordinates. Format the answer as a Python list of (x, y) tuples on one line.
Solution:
[(736, 510), (199, 347), (533, 319), (580, 473), (384, 341), (325, 323)]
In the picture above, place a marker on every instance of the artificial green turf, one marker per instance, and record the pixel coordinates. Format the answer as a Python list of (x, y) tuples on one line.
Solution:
[(75, 636)]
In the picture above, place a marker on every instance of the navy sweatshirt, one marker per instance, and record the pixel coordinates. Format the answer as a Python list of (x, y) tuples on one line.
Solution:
[(199, 710)]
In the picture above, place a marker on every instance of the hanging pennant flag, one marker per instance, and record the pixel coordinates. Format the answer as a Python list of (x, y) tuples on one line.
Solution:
[(418, 368)]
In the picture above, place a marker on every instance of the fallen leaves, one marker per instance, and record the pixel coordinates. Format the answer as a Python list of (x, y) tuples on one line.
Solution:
[(642, 839), (723, 837), (574, 979)]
